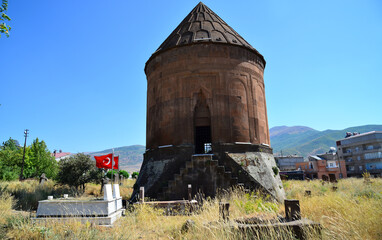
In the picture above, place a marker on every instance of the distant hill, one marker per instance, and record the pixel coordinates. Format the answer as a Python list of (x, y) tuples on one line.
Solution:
[(305, 141), (282, 130), (130, 157), (300, 140)]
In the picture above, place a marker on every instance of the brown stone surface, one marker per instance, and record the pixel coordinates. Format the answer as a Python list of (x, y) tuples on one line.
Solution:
[(228, 80), (205, 96), (203, 25)]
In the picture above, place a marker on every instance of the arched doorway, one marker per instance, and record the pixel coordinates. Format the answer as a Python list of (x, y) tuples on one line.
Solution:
[(202, 126)]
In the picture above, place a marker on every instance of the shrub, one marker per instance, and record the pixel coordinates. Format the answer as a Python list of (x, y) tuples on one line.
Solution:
[(78, 170), (124, 173), (135, 175)]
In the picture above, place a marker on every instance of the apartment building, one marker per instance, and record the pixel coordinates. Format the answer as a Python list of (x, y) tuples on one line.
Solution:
[(361, 152)]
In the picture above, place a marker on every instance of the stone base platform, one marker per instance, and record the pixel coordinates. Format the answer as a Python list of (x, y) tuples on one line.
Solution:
[(103, 221), (75, 207), (175, 207)]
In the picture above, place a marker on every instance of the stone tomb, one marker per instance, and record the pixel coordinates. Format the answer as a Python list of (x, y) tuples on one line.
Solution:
[(98, 211), (207, 119)]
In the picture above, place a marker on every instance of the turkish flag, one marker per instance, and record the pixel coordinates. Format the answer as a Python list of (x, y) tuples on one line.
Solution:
[(104, 161), (116, 160)]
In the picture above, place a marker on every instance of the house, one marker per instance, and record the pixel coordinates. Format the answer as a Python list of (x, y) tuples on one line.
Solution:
[(60, 155), (325, 166), (288, 163)]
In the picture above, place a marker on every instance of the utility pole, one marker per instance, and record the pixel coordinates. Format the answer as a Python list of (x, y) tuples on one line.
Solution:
[(25, 144)]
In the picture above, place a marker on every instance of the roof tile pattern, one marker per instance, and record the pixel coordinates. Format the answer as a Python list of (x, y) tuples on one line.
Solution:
[(203, 25)]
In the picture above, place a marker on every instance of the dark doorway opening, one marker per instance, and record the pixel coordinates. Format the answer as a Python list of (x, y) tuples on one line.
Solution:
[(202, 126), (202, 139)]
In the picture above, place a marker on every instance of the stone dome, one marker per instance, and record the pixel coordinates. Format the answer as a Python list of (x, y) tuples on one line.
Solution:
[(202, 25)]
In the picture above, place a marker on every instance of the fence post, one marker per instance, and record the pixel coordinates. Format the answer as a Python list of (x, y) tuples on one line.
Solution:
[(224, 210), (189, 192), (142, 194), (292, 209)]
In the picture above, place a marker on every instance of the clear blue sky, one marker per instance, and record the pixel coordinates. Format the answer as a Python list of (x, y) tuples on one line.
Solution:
[(72, 71)]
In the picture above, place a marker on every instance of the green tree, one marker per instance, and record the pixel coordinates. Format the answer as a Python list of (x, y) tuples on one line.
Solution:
[(124, 173), (4, 17), (11, 144), (135, 175), (40, 160), (76, 171), (96, 175), (111, 172), (10, 160)]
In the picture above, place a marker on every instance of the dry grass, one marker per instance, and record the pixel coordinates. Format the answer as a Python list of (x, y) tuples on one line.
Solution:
[(126, 189), (354, 211), (6, 205)]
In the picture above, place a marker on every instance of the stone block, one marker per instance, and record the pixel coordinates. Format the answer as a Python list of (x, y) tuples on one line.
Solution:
[(107, 192)]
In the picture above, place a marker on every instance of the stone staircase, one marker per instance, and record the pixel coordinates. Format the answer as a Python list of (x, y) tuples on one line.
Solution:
[(204, 174)]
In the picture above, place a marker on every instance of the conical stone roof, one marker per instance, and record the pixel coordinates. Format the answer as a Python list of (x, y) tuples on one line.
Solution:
[(203, 25)]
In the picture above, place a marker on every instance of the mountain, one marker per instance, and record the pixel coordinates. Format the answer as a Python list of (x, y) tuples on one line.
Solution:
[(130, 157), (300, 140), (305, 141), (282, 130)]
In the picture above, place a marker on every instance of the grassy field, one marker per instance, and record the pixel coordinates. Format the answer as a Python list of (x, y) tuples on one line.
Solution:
[(354, 211)]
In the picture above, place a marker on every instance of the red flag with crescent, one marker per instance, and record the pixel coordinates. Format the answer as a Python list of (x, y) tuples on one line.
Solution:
[(116, 160), (104, 161)]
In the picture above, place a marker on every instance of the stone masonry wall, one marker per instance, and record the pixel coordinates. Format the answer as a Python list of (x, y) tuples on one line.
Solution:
[(229, 78)]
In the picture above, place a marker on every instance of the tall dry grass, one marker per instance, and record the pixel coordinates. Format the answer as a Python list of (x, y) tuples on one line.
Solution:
[(29, 192), (354, 211), (126, 189)]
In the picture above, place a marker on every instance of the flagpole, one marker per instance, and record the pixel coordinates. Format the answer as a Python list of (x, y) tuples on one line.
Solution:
[(112, 166)]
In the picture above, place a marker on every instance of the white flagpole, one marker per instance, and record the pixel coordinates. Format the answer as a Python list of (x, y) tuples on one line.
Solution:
[(119, 176), (112, 166)]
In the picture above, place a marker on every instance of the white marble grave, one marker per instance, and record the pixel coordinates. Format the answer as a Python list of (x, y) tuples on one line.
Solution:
[(99, 211)]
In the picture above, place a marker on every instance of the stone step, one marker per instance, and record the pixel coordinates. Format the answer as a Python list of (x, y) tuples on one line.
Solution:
[(214, 163), (200, 164), (221, 169), (202, 158), (227, 175), (189, 164), (234, 181)]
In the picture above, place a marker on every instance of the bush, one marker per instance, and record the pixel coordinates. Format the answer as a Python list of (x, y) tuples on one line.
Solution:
[(124, 173), (135, 175), (78, 170), (110, 173)]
